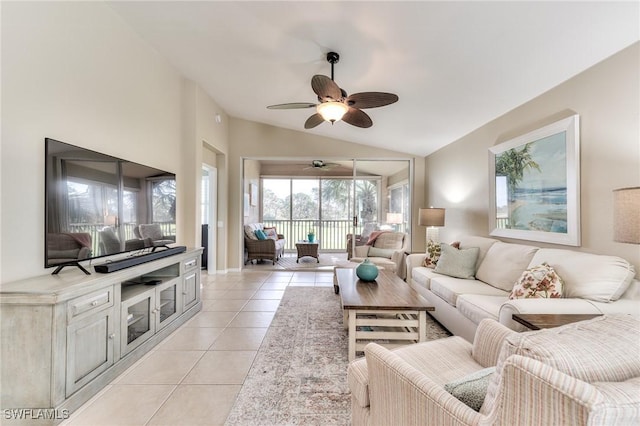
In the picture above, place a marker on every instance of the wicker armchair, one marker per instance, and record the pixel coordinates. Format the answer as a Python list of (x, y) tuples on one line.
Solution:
[(270, 249)]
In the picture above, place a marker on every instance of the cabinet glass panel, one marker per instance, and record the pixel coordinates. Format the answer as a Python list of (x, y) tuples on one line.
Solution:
[(168, 304), (138, 319)]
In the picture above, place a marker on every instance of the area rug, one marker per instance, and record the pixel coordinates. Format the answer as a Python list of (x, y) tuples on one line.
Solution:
[(299, 375), (288, 263)]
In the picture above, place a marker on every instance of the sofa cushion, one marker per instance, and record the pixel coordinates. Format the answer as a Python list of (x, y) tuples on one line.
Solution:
[(504, 263), (604, 349), (271, 233), (422, 276), (389, 240), (588, 276), (380, 252), (260, 234), (538, 282), (484, 244), (449, 288), (250, 229), (433, 254), (477, 307), (459, 263), (471, 389)]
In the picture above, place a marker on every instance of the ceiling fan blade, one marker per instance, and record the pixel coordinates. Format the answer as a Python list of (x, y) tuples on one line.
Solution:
[(325, 88), (292, 105), (371, 99), (357, 118), (313, 121)]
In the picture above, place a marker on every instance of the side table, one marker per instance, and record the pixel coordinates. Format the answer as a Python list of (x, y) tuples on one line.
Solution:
[(306, 248), (538, 321)]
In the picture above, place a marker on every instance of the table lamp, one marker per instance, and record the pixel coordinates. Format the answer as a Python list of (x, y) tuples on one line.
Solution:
[(394, 219), (432, 218), (626, 215)]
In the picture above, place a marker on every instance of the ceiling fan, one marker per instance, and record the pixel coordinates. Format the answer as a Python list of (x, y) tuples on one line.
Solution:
[(336, 105), (321, 165)]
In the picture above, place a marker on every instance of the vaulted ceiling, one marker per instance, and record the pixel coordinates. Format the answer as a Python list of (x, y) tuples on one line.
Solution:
[(454, 65)]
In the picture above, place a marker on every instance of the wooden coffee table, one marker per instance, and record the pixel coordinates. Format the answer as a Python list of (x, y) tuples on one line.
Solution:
[(386, 309), (305, 248), (538, 321)]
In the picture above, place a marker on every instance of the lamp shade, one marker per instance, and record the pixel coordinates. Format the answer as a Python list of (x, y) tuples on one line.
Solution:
[(394, 218), (332, 111), (626, 215), (431, 217)]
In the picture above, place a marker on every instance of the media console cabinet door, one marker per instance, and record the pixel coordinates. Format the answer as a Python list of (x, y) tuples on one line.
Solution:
[(90, 345)]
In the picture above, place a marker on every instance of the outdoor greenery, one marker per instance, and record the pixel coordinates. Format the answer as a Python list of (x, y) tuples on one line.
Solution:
[(331, 217)]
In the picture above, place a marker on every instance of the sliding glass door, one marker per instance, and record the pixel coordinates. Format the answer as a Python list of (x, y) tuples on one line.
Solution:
[(355, 197)]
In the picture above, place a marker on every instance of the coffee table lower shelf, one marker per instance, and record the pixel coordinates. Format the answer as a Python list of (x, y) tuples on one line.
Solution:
[(389, 328)]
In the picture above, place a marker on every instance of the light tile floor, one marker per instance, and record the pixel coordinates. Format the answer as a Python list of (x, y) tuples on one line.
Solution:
[(194, 376)]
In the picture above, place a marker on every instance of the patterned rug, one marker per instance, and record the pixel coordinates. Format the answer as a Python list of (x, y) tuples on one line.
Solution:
[(288, 263), (299, 375)]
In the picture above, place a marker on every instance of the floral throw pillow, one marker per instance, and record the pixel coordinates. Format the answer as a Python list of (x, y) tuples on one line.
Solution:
[(541, 281), (433, 253)]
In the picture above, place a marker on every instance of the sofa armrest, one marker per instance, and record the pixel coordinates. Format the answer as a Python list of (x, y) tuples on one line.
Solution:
[(413, 261), (531, 383), (401, 395), (281, 236), (488, 340), (398, 257)]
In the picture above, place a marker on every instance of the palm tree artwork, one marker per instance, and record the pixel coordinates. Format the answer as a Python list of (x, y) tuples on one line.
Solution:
[(512, 164)]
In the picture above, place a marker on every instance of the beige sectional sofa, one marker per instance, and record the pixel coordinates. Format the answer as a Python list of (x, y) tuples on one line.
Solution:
[(593, 284)]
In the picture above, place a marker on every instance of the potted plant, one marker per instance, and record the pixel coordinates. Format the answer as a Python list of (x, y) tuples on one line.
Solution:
[(311, 236)]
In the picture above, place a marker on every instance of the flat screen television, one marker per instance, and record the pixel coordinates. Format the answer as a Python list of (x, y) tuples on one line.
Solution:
[(98, 205)]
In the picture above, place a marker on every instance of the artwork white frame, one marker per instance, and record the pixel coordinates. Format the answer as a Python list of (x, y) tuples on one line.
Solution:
[(538, 213)]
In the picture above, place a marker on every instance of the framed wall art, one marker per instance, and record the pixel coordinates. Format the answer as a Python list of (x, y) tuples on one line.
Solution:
[(534, 185)]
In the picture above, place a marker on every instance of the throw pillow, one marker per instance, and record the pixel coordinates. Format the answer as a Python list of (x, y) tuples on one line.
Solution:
[(457, 263), (433, 253), (472, 389), (271, 233), (379, 252), (541, 281), (260, 234)]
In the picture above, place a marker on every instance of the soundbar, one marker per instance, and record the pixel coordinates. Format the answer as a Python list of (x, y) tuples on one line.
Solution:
[(128, 262)]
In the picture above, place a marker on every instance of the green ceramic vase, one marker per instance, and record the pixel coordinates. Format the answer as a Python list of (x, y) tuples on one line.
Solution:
[(367, 271)]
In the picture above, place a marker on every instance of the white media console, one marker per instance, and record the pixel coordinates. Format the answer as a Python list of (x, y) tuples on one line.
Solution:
[(65, 337)]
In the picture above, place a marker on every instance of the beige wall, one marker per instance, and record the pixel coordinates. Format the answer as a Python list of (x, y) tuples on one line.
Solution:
[(251, 175), (75, 72), (607, 99), (255, 140)]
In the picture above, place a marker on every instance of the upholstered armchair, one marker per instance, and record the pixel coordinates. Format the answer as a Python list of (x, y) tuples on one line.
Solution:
[(360, 239), (271, 248), (388, 249), (152, 232), (585, 373), (67, 247)]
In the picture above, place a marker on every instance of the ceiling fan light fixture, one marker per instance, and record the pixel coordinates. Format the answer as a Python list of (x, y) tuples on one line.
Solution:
[(332, 111)]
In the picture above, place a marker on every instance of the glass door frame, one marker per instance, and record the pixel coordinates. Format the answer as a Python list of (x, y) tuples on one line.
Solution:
[(380, 207)]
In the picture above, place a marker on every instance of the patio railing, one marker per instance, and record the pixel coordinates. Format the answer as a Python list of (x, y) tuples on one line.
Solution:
[(332, 234), (94, 230)]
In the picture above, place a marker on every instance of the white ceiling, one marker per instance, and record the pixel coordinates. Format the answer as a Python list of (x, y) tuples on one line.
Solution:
[(454, 65)]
